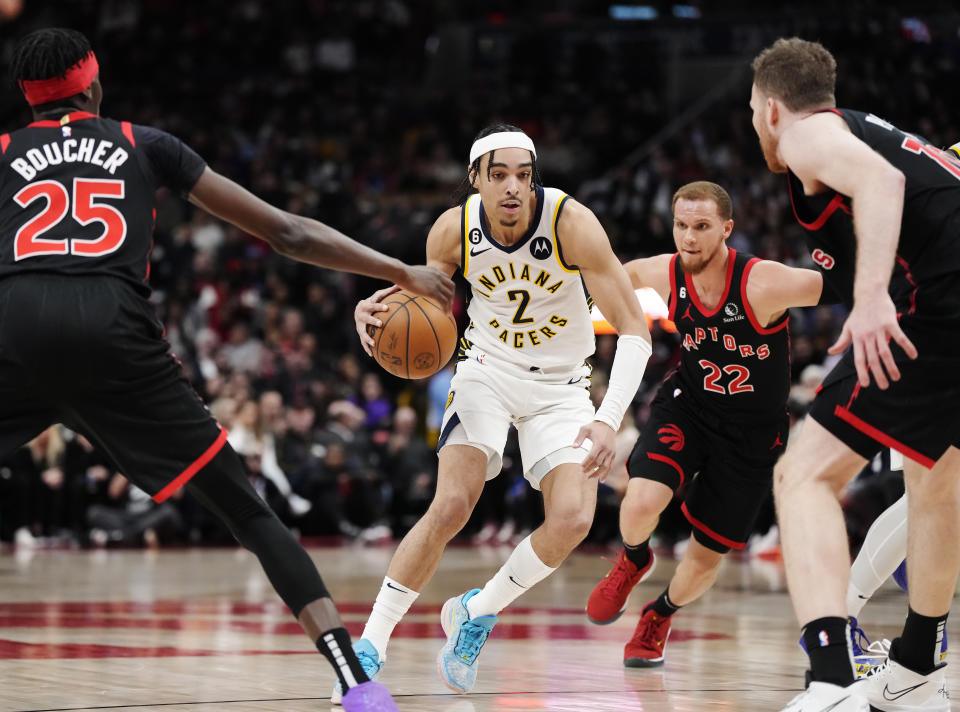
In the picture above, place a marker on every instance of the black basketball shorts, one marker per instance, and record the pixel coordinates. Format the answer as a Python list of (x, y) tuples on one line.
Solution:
[(722, 466), (89, 353), (918, 415)]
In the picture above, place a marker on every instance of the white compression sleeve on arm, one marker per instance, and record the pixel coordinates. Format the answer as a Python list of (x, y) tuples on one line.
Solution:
[(629, 362)]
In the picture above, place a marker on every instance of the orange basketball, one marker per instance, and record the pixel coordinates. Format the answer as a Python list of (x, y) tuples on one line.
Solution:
[(417, 338)]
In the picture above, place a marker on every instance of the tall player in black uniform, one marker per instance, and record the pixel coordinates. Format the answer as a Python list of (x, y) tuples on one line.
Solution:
[(79, 341), (881, 210), (719, 421)]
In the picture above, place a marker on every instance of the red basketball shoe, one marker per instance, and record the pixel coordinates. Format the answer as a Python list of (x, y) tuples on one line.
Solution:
[(645, 648), (609, 598)]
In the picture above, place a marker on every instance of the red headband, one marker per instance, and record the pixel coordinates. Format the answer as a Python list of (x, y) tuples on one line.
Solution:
[(77, 78)]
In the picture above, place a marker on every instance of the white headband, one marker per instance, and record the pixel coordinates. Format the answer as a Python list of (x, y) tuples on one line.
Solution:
[(503, 139)]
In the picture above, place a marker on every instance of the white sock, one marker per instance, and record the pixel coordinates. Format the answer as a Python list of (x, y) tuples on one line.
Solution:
[(883, 549), (392, 604), (522, 570)]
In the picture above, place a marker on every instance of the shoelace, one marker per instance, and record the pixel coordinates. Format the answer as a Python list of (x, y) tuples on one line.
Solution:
[(369, 663), (618, 578), (860, 640), (879, 669), (472, 638), (876, 650), (651, 636)]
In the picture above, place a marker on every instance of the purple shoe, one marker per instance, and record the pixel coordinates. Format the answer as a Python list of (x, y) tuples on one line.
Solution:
[(368, 697)]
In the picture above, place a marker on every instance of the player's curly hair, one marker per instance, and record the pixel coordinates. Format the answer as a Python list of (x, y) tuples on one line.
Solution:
[(800, 73), (466, 187), (47, 54)]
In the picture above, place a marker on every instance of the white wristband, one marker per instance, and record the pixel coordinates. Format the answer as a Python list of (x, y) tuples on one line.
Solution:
[(629, 362)]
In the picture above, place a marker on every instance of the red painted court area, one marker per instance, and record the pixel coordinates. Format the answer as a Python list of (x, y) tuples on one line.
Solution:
[(232, 617)]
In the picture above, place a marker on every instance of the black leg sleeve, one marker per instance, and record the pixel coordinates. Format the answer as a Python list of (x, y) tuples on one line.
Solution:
[(223, 488)]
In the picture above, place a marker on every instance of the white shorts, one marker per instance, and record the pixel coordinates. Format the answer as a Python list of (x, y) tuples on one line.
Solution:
[(547, 413)]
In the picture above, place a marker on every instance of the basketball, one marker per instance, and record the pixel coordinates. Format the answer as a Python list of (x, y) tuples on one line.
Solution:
[(417, 338)]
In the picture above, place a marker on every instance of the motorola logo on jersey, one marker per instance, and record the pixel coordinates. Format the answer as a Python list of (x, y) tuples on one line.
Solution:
[(671, 436), (541, 248), (475, 236)]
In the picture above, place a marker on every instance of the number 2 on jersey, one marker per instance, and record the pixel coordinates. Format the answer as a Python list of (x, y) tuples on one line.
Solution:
[(524, 296), (28, 241), (738, 384)]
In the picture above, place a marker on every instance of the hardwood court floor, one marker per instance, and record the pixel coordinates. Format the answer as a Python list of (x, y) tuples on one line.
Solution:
[(201, 630)]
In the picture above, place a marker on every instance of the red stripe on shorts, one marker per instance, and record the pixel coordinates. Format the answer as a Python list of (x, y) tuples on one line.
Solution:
[(709, 532), (193, 469), (881, 437), (663, 458)]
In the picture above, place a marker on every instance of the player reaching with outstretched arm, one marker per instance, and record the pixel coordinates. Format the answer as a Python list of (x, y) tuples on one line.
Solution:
[(527, 252), (80, 343), (719, 421)]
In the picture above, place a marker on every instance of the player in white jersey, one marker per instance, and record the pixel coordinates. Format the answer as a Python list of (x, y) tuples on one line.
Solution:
[(527, 252)]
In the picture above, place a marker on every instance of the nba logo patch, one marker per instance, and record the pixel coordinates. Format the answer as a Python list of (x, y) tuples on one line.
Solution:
[(824, 639), (66, 131)]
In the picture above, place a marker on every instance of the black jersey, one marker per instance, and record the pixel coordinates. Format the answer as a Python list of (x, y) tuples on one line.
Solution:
[(929, 244), (77, 195), (729, 363)]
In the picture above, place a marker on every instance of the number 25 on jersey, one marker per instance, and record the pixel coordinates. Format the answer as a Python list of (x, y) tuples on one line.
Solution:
[(84, 208)]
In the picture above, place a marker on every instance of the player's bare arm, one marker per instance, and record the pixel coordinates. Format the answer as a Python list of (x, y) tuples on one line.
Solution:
[(311, 241), (772, 288), (652, 273), (821, 151), (585, 244), (443, 255)]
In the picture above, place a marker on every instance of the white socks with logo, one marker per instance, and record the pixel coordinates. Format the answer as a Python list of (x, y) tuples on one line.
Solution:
[(522, 570), (392, 604)]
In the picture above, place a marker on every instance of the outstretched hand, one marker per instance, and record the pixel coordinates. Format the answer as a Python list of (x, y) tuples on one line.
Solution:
[(601, 456), (430, 282), (364, 315), (869, 328)]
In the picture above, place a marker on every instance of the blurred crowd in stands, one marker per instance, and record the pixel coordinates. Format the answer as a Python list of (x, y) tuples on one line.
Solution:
[(357, 113)]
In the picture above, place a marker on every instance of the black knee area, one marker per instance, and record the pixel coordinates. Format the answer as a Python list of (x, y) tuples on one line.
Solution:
[(710, 543), (223, 488)]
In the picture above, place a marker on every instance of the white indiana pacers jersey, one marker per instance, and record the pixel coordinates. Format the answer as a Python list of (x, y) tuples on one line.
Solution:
[(528, 308)]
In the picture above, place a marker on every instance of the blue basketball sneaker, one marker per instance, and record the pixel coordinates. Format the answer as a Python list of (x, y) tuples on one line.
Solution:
[(457, 660), (370, 662)]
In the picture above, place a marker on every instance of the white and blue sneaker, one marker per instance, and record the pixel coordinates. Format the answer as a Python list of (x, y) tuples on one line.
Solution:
[(457, 660), (370, 662)]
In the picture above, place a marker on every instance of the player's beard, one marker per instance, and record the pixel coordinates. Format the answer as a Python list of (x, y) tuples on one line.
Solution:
[(695, 268), (769, 148)]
